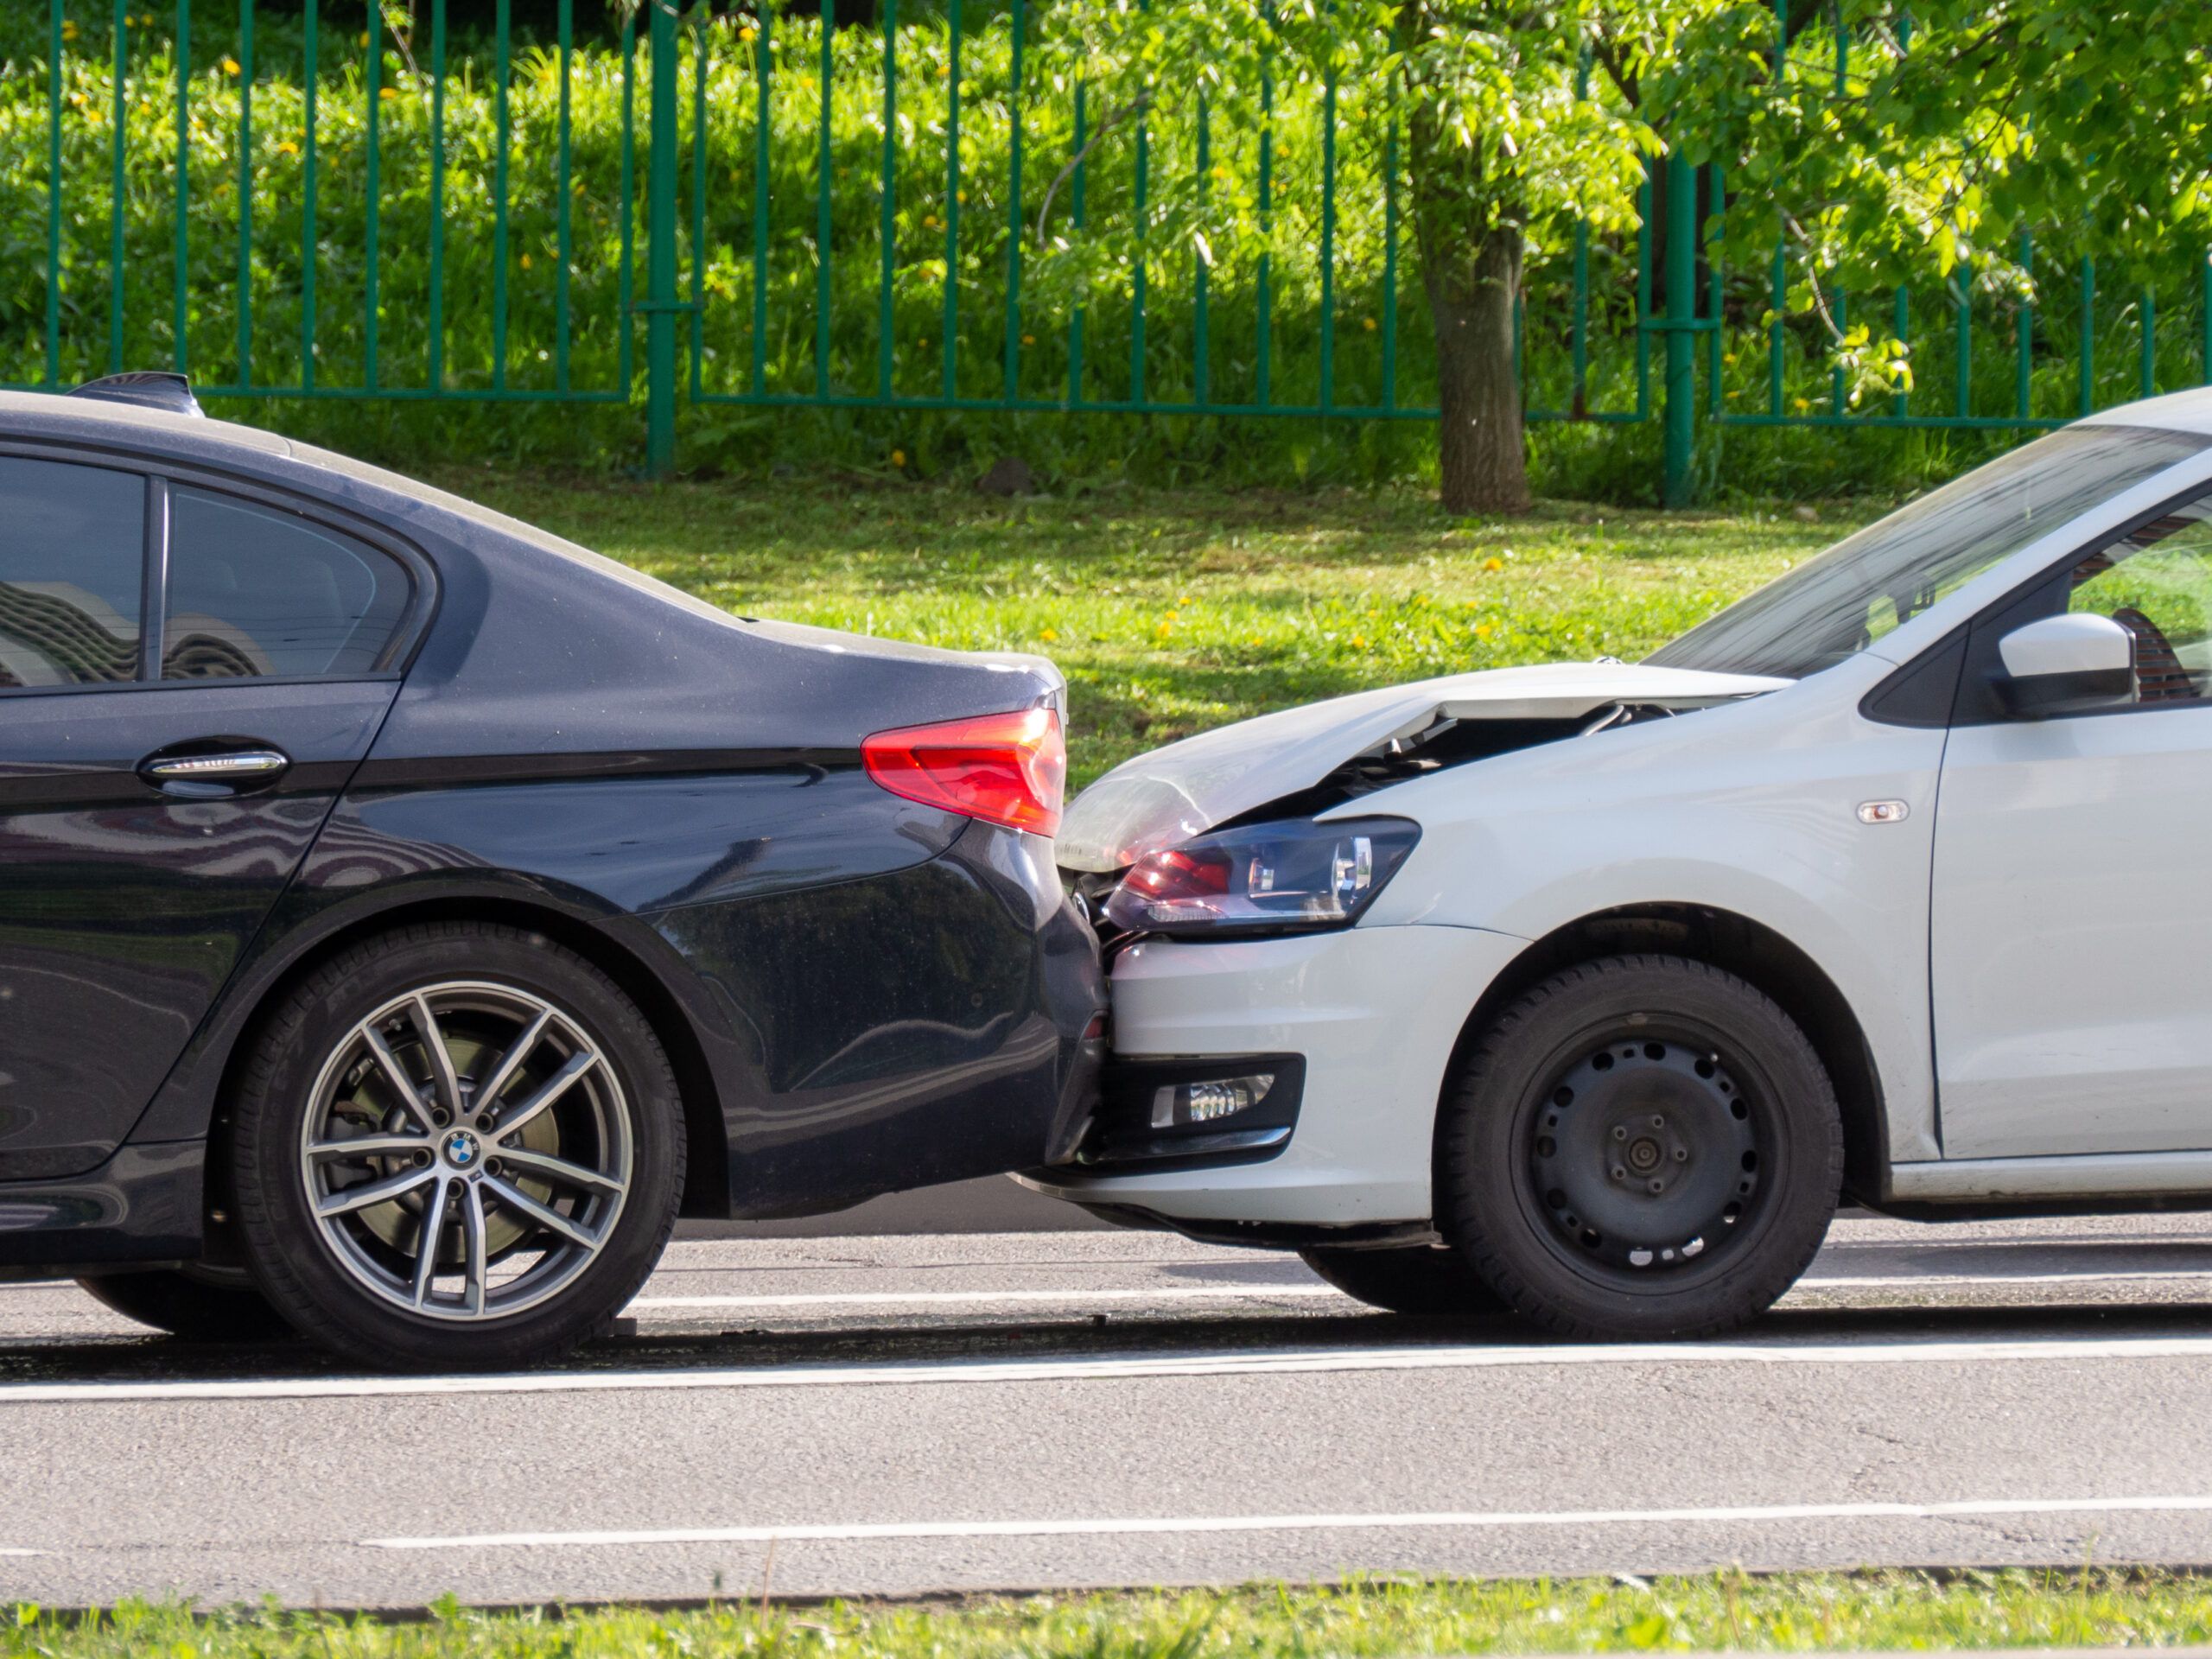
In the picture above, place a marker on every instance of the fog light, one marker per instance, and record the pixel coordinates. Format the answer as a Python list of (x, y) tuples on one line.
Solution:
[(1174, 1105)]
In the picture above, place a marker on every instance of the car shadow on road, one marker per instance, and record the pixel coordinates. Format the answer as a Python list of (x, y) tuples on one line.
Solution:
[(123, 1360)]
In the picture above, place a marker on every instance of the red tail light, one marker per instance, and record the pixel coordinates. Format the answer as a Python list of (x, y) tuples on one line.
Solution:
[(1009, 769)]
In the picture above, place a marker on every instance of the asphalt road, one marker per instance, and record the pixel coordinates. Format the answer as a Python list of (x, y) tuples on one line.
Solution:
[(994, 1203), (898, 1416)]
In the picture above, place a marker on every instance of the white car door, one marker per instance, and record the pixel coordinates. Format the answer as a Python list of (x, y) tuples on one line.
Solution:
[(2072, 903)]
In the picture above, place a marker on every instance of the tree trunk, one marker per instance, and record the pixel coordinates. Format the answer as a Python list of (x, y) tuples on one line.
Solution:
[(1471, 296), (1469, 206)]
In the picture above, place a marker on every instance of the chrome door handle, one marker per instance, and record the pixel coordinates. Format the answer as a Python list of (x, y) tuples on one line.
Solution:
[(235, 765), (215, 775)]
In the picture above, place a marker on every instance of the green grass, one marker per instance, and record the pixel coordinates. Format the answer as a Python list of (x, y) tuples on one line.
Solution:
[(1171, 612), (1379, 1617)]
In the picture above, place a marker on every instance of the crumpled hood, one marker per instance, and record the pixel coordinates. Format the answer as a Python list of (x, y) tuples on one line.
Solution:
[(1167, 797)]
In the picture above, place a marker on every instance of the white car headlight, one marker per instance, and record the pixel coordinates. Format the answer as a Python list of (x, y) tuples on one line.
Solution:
[(1263, 878)]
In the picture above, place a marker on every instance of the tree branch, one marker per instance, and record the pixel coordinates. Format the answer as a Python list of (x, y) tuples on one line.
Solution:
[(1804, 239), (1129, 112), (399, 35)]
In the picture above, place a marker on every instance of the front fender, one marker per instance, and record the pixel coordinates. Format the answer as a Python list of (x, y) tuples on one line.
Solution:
[(1752, 810)]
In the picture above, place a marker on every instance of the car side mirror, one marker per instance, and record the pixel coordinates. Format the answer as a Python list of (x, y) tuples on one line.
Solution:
[(2068, 664)]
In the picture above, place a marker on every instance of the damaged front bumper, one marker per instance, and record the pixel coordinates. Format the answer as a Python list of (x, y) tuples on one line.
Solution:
[(1371, 1015)]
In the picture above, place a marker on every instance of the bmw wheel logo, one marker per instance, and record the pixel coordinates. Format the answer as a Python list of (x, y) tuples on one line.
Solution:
[(460, 1150)]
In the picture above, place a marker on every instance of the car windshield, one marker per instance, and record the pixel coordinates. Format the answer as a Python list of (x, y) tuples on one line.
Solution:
[(1839, 602)]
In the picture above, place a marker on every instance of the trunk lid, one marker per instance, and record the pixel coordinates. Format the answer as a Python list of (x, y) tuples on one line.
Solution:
[(1006, 679)]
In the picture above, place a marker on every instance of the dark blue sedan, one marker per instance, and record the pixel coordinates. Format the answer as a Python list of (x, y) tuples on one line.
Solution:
[(405, 915)]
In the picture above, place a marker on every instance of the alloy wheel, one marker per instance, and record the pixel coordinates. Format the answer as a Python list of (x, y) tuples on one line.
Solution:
[(468, 1150)]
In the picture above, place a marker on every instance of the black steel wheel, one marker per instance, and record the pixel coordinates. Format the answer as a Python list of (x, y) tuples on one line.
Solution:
[(1427, 1281), (200, 1304), (1642, 1146)]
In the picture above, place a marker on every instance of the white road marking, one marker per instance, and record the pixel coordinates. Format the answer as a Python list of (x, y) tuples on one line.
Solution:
[(21, 1551), (1085, 1367), (1885, 1281), (1183, 1524), (1930, 1237), (1073, 1297)]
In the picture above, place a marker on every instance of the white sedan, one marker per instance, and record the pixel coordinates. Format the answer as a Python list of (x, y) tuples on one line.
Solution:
[(1590, 989)]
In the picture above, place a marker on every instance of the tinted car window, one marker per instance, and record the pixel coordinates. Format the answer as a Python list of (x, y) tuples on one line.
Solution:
[(73, 551), (254, 591)]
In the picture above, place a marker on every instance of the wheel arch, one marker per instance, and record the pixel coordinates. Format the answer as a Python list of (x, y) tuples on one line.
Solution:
[(706, 1182), (1752, 951)]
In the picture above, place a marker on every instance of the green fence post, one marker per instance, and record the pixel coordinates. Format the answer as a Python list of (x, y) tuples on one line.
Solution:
[(660, 248), (1679, 416)]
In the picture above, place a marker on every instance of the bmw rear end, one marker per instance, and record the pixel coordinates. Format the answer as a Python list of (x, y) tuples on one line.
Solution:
[(836, 850)]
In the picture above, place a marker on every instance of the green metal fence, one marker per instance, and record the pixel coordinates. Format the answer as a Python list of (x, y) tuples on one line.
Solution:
[(125, 280), (982, 355), (316, 205)]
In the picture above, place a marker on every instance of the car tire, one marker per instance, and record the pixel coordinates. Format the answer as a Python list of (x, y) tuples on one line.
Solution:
[(198, 1304), (1425, 1280), (547, 1145), (1640, 1147)]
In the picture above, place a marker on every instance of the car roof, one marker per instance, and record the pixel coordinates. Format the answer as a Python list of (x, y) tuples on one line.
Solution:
[(102, 422), (2179, 411)]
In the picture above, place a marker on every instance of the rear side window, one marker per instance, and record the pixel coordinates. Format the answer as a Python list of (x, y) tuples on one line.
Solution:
[(254, 591), (72, 550)]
